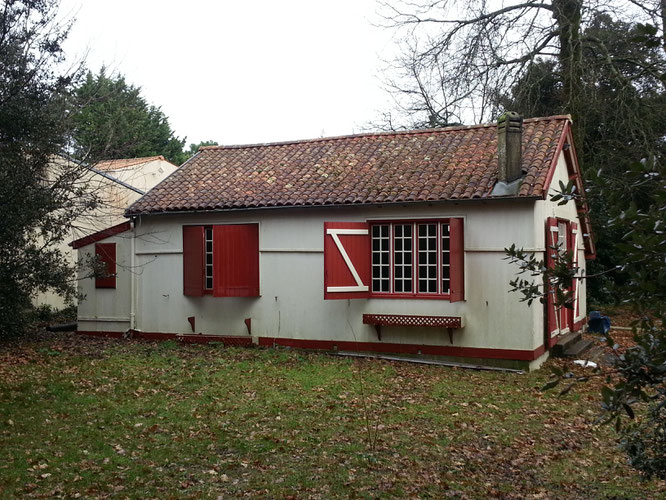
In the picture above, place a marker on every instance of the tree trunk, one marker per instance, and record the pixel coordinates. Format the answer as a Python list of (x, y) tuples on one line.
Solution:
[(663, 21), (568, 14)]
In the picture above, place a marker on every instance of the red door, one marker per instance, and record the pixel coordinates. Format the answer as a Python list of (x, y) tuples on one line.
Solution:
[(560, 236)]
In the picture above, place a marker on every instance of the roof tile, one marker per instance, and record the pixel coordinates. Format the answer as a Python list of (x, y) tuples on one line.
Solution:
[(421, 165)]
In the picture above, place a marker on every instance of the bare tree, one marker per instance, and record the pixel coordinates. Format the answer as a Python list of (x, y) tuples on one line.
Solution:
[(458, 56)]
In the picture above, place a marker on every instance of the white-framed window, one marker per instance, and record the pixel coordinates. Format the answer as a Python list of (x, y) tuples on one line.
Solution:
[(411, 258)]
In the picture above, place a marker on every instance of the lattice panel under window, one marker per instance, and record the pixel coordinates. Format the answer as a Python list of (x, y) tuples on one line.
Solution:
[(410, 320)]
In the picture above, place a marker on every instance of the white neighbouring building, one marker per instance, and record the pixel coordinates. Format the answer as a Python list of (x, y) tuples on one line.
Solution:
[(388, 242), (116, 184)]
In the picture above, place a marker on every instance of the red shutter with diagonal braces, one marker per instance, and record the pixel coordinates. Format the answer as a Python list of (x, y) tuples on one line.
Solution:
[(346, 260), (193, 261), (106, 252), (457, 259)]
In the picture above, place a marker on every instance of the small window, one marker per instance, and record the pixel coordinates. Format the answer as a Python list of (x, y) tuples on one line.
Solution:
[(208, 261)]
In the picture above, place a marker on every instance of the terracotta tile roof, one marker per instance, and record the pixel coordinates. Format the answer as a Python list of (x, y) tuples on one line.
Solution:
[(126, 162), (437, 164)]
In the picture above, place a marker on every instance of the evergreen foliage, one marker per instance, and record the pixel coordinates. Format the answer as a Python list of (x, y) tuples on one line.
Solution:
[(39, 197), (113, 120)]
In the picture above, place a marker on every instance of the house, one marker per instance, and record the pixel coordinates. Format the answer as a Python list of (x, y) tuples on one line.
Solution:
[(386, 242), (115, 184)]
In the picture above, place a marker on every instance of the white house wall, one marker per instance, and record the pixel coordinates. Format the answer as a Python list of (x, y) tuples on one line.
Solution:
[(569, 212), (292, 301), (114, 198), (107, 309)]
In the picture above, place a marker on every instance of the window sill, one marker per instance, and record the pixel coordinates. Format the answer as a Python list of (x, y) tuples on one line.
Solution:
[(411, 296)]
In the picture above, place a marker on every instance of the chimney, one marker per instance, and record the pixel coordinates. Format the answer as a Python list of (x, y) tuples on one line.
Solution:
[(509, 149)]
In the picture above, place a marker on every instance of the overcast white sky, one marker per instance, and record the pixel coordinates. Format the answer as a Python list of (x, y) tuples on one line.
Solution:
[(242, 72)]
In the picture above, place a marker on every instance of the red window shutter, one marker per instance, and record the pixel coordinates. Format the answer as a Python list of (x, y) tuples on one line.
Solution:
[(551, 254), (236, 260), (457, 235), (346, 260), (106, 252), (193, 261)]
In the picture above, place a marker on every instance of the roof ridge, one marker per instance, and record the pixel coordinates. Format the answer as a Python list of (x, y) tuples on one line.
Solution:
[(122, 163), (377, 134), (136, 158)]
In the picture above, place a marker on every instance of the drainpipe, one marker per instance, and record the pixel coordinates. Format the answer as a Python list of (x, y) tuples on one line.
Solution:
[(132, 275)]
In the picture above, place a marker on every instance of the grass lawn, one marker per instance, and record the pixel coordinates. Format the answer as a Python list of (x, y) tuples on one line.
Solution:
[(88, 418)]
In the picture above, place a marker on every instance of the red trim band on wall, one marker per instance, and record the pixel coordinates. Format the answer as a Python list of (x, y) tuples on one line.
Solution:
[(331, 345)]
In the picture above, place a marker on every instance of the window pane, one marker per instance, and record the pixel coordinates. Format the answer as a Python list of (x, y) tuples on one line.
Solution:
[(446, 286), (446, 259), (380, 257), (402, 257), (427, 245)]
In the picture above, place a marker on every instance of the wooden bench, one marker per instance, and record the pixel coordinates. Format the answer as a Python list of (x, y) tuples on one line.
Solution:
[(379, 320)]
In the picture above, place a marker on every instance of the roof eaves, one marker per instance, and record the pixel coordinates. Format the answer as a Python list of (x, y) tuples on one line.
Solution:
[(128, 212), (336, 205)]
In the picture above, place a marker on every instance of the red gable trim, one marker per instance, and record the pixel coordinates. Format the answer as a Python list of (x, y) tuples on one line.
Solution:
[(566, 135), (101, 235), (573, 169)]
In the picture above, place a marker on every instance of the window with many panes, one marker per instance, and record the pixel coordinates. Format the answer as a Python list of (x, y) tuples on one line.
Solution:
[(411, 258)]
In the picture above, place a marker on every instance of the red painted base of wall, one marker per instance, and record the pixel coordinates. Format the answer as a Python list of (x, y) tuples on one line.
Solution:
[(331, 345), (186, 339), (436, 350)]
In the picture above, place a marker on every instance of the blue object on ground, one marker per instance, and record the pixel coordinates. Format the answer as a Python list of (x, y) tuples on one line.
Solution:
[(598, 323)]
